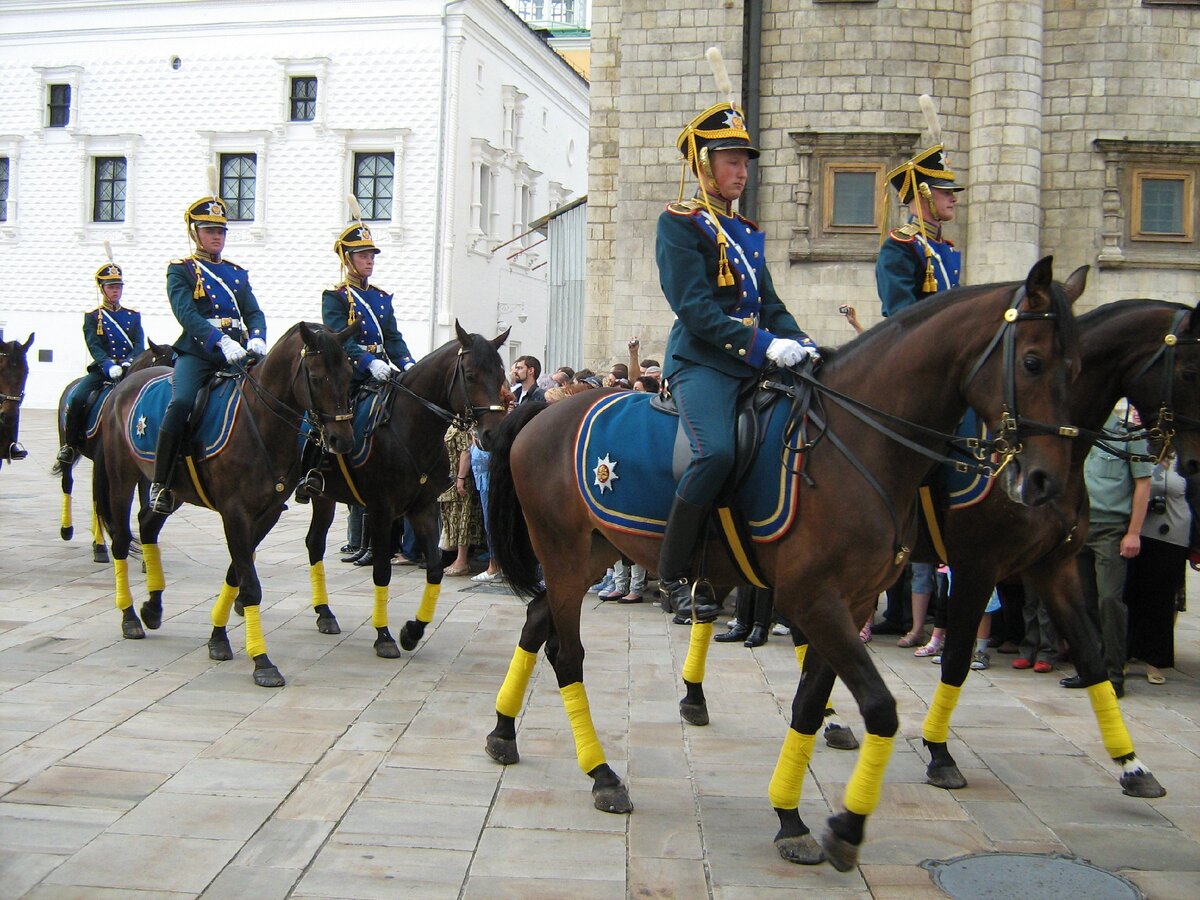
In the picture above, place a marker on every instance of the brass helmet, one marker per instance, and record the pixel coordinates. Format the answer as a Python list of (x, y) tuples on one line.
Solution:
[(109, 273), (355, 238)]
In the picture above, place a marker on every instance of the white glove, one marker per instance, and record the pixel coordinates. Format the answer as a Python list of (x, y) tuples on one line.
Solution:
[(257, 346), (408, 366), (785, 352), (115, 372), (379, 370), (231, 349)]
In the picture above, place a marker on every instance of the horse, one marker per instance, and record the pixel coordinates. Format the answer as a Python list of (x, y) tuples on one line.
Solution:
[(305, 375), (14, 369), (405, 469), (850, 533), (1146, 350), (154, 355)]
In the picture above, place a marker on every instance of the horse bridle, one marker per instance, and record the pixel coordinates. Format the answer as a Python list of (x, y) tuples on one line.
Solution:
[(1166, 421), (469, 417), (14, 398)]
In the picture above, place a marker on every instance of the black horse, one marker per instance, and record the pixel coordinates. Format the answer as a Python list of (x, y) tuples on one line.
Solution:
[(14, 369)]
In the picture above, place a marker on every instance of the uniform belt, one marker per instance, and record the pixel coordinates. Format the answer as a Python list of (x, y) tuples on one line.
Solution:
[(371, 348), (227, 323), (748, 321)]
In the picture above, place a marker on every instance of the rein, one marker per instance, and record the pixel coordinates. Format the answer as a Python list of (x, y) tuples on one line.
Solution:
[(463, 421), (284, 411)]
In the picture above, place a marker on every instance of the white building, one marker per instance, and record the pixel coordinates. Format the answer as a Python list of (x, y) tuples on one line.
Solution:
[(454, 123)]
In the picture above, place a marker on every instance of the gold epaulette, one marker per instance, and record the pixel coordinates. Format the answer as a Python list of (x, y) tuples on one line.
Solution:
[(177, 262), (746, 221), (334, 288), (906, 232), (684, 207), (230, 262)]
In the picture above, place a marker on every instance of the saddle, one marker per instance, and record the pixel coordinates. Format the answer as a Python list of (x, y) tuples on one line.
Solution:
[(192, 438)]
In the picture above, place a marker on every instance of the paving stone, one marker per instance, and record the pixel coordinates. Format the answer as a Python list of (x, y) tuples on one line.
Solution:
[(189, 815), (400, 823), (38, 829), (364, 872), (282, 844), (87, 788), (324, 801), (261, 884), (149, 863), (237, 777), (514, 852)]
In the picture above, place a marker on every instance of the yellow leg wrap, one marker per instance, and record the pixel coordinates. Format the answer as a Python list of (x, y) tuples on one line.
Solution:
[(152, 557), (587, 745), (255, 642), (862, 793), (1108, 714), (786, 782), (223, 604), (66, 511), (379, 612), (121, 572), (512, 692), (316, 577), (97, 527), (429, 601), (693, 666), (937, 720), (801, 652)]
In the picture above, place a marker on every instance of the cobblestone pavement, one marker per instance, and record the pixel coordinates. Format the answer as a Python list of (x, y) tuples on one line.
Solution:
[(140, 768)]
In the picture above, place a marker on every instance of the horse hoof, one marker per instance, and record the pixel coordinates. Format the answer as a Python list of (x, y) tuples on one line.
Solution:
[(612, 799), (268, 676), (410, 635), (842, 855), (328, 624), (503, 750), (1142, 784), (220, 651), (803, 850), (948, 777), (693, 713), (99, 553), (840, 738), (67, 533), (152, 616), (239, 607), (386, 648), (131, 629)]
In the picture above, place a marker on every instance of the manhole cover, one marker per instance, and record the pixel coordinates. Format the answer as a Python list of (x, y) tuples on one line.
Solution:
[(1019, 876)]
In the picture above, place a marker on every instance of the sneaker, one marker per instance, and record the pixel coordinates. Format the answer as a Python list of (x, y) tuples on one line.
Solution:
[(487, 578), (780, 630), (1022, 663), (980, 660), (936, 660), (1042, 667), (604, 584)]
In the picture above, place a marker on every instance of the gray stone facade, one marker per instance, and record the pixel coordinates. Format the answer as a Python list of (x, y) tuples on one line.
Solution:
[(1039, 103)]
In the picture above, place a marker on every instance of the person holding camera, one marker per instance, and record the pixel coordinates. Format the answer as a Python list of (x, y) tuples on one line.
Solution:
[(1118, 493)]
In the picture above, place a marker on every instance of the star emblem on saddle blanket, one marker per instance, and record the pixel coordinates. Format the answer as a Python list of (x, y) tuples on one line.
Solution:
[(140, 428), (606, 473)]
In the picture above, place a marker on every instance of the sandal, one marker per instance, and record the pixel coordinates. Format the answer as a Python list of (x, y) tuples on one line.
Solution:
[(912, 639), (933, 648), (1155, 677), (865, 634), (456, 571)]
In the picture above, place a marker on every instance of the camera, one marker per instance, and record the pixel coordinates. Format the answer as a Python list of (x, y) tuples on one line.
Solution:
[(1157, 505)]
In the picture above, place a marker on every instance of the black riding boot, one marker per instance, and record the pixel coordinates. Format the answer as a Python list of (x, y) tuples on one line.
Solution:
[(312, 481), (73, 430), (685, 527), (162, 501), (744, 606), (764, 605)]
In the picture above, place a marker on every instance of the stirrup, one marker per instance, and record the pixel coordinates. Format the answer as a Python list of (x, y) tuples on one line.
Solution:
[(161, 500), (16, 452), (311, 485), (67, 454)]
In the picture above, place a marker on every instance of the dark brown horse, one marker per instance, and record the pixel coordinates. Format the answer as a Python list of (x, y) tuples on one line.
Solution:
[(405, 471), (305, 373), (154, 355), (849, 538), (14, 369)]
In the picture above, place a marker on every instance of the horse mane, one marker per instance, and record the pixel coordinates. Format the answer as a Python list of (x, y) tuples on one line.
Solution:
[(1131, 304)]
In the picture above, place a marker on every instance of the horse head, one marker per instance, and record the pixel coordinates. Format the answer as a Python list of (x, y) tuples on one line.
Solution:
[(14, 369), (1019, 385), (1166, 389), (326, 374), (479, 381)]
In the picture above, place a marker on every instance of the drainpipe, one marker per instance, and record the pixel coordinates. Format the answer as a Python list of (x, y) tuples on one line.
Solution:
[(444, 221), (751, 70)]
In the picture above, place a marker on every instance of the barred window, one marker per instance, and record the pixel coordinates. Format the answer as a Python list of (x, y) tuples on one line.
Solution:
[(3, 188), (239, 172), (854, 204), (59, 105), (109, 196), (374, 178), (1162, 206), (304, 99)]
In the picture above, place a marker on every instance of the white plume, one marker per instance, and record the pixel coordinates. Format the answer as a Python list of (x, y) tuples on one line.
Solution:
[(108, 251), (355, 209), (213, 184), (929, 110), (720, 73)]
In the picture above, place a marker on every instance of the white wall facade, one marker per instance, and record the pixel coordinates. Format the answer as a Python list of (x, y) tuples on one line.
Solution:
[(424, 80)]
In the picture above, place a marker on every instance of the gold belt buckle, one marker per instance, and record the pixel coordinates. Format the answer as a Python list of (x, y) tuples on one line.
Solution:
[(748, 321)]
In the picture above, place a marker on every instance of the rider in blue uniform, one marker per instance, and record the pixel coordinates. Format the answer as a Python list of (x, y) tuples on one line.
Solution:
[(916, 261), (113, 334), (378, 350), (729, 324), (222, 324)]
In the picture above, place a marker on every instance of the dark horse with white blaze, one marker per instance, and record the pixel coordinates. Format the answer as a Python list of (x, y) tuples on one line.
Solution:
[(1008, 350), (306, 374), (14, 369), (405, 471), (153, 355)]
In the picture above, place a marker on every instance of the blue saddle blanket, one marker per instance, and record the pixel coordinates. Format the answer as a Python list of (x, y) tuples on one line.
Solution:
[(368, 411), (93, 413), (208, 436), (623, 457), (963, 489)]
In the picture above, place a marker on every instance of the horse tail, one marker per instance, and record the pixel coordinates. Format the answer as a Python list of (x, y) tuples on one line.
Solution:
[(506, 519)]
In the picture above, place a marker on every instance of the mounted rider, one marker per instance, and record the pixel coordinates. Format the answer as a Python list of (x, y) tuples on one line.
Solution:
[(114, 338), (222, 324), (378, 351), (729, 324)]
